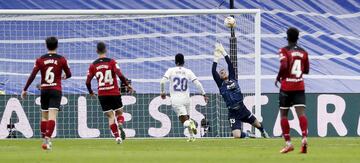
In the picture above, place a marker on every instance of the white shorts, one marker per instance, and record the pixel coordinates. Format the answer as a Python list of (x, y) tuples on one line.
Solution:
[(181, 109)]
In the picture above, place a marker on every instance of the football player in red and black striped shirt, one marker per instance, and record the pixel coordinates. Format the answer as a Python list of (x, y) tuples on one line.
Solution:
[(294, 63), (106, 71), (51, 66)]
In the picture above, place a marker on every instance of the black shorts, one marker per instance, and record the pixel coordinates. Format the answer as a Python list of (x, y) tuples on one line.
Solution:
[(237, 116), (288, 99), (110, 103), (50, 99)]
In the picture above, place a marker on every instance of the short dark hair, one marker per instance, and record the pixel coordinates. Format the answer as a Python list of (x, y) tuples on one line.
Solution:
[(51, 43), (292, 34), (101, 48), (179, 59)]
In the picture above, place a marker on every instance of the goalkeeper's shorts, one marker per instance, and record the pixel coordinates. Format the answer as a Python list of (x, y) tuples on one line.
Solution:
[(237, 116)]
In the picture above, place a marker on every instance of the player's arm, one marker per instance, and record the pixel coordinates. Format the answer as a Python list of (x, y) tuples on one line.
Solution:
[(215, 74), (66, 69), (230, 67), (89, 77), (122, 77), (283, 66), (163, 80), (220, 49), (306, 65), (198, 85), (31, 78)]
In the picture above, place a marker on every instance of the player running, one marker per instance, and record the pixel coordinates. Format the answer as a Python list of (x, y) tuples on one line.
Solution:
[(51, 66), (105, 70), (230, 91), (294, 63), (179, 77)]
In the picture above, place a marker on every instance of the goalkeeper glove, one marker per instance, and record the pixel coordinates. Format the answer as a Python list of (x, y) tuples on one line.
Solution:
[(217, 52), (220, 48), (217, 56)]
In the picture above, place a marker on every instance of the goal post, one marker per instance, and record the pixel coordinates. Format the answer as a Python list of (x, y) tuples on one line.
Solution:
[(144, 43)]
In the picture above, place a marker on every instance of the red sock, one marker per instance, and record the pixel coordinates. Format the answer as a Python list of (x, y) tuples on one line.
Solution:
[(285, 128), (43, 125), (120, 119), (50, 128), (114, 130), (303, 125)]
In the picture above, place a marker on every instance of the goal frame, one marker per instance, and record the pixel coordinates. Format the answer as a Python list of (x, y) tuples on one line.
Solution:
[(257, 29)]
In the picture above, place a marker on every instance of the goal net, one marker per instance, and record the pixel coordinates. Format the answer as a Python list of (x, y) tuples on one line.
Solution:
[(144, 44)]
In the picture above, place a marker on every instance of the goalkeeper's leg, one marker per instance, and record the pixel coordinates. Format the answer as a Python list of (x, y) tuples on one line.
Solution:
[(248, 117), (237, 133)]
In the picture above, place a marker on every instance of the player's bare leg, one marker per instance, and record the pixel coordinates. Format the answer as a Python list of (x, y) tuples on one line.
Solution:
[(300, 111), (190, 125), (113, 127), (260, 127), (120, 119), (52, 114), (285, 127)]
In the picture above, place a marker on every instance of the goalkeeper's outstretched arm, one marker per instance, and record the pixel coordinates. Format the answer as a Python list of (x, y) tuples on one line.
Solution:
[(217, 56), (230, 67), (216, 75)]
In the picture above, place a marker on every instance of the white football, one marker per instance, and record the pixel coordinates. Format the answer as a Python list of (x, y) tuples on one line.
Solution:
[(230, 22)]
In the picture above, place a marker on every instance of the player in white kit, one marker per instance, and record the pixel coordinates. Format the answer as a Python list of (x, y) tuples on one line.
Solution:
[(179, 77)]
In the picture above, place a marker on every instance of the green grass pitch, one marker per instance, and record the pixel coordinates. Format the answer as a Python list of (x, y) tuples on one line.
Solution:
[(321, 150)]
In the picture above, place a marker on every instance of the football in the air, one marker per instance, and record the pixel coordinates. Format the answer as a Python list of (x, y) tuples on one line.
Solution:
[(230, 22)]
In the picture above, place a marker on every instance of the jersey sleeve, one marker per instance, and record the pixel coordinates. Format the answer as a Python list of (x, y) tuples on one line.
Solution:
[(230, 68), (197, 83), (167, 74), (306, 64), (282, 55), (283, 64), (33, 74), (216, 75), (191, 76), (90, 75), (116, 69), (66, 68)]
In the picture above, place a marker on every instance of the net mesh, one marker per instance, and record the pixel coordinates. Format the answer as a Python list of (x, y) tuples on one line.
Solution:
[(144, 47)]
